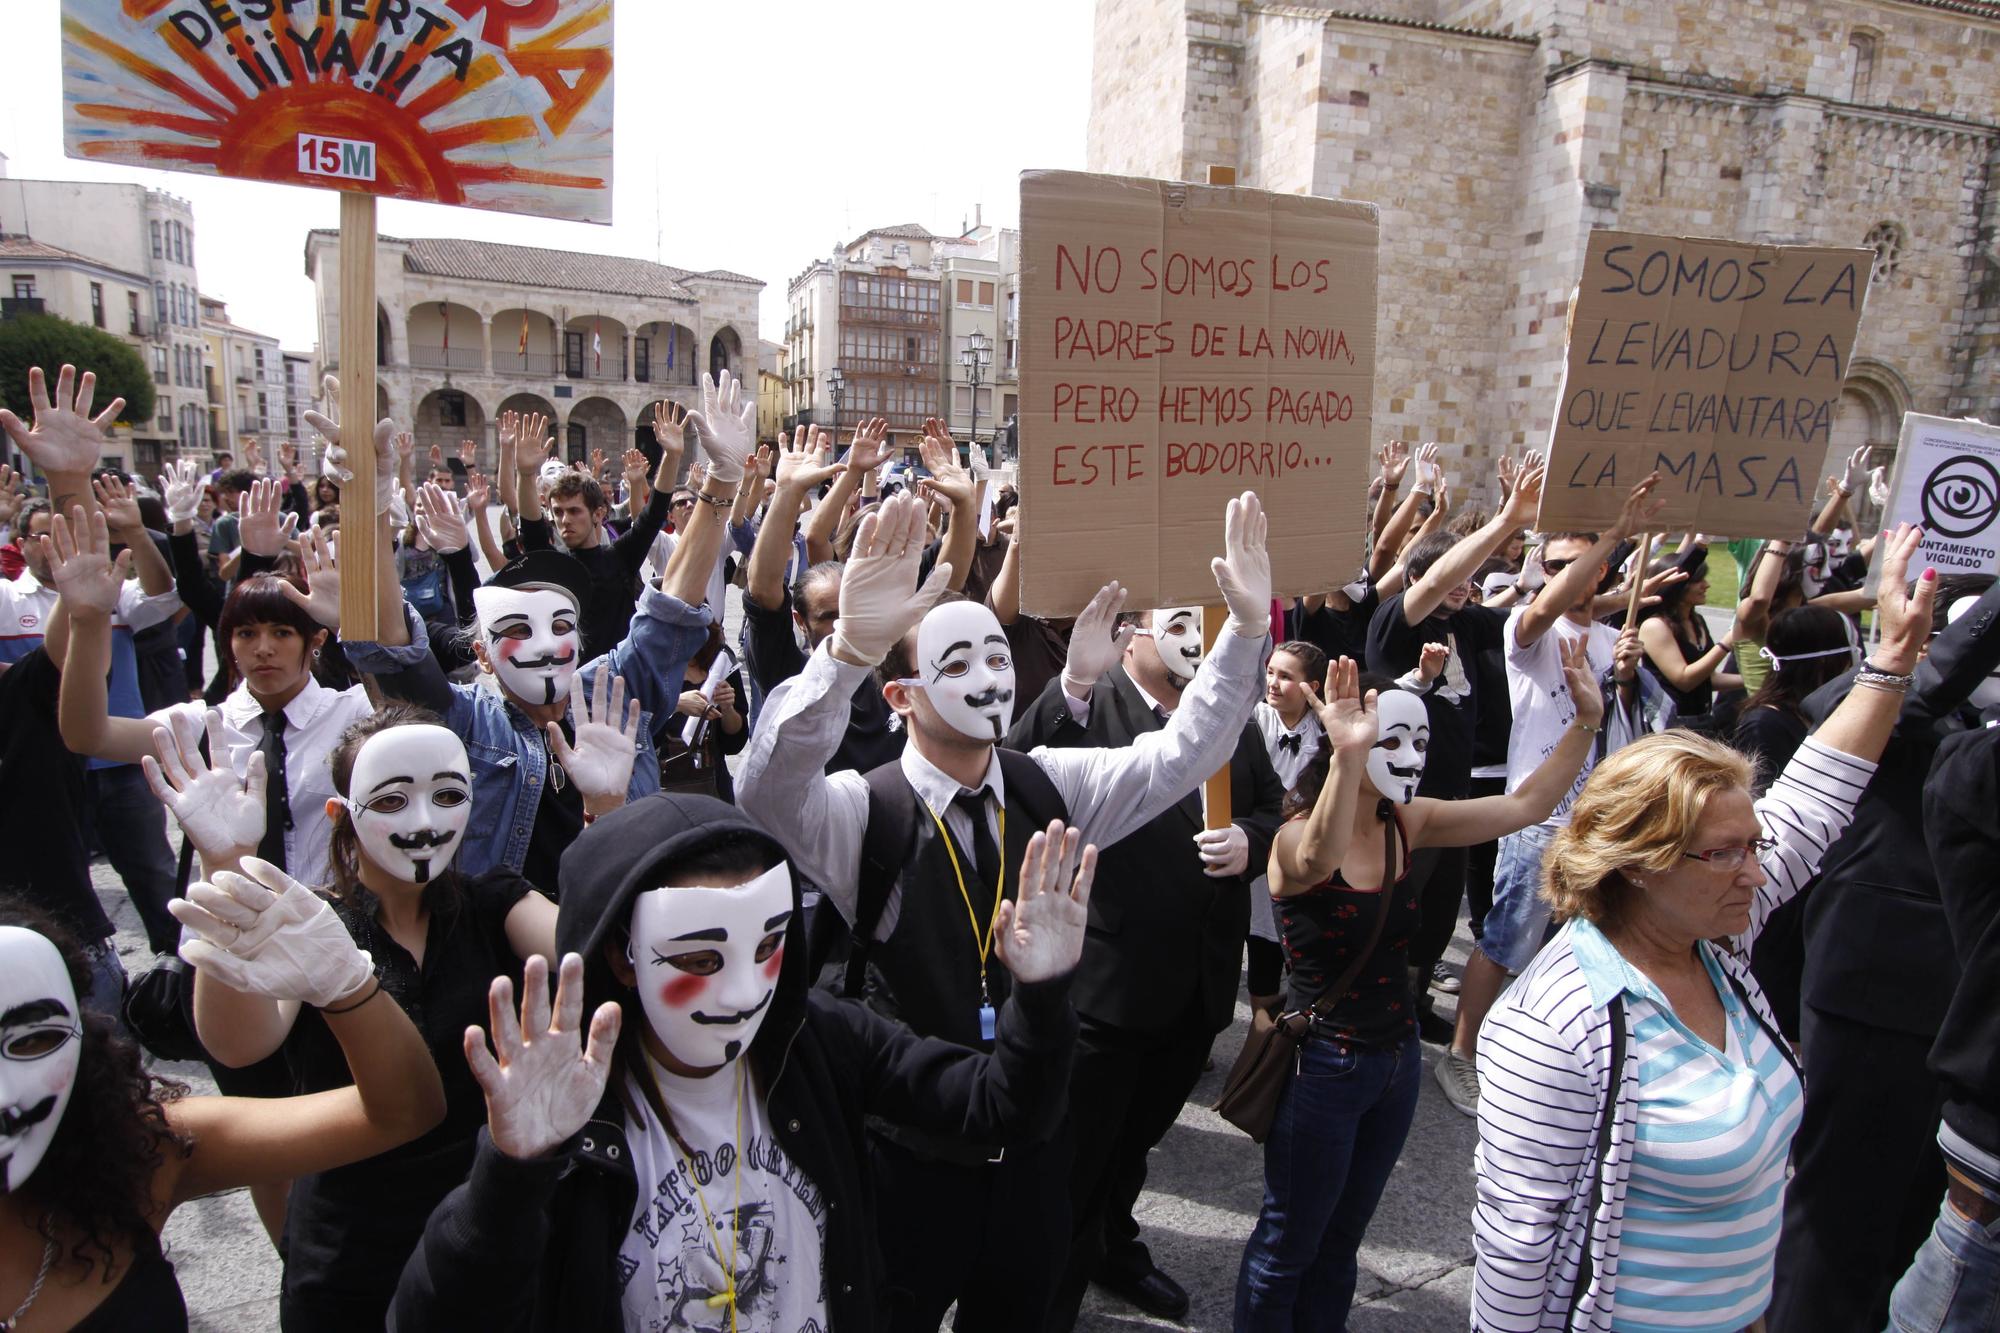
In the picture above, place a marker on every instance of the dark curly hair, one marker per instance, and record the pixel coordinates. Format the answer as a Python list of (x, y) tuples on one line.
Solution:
[(96, 1179)]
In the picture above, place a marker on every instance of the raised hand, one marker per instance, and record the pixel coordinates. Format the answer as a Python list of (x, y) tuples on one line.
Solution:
[(437, 456), (1640, 509), (1905, 616), (441, 519), (1243, 571), (1096, 643), (468, 453), (120, 506), (320, 563), (478, 492), (78, 550), (335, 453), (11, 496), (726, 427), (670, 429), (264, 933), (1626, 655), (288, 460), (1039, 935), (1428, 470), (1855, 473), (1508, 472), (222, 816), (1432, 661), (807, 462), (65, 437), (1347, 717), (948, 481), (636, 469), (879, 597), (542, 1083), (1581, 678), (253, 457), (869, 448), (181, 488), (265, 524), (1395, 461), (600, 760), (1525, 498)]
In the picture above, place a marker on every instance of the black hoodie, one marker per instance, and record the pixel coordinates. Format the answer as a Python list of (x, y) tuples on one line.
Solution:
[(533, 1244)]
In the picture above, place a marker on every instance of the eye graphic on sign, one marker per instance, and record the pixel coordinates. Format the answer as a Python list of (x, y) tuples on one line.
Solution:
[(1960, 497)]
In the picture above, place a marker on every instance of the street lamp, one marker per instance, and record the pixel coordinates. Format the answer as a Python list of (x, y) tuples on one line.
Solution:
[(976, 356), (836, 385)]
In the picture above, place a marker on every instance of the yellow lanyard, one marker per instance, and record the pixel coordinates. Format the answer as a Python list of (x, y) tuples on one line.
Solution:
[(984, 939), (727, 1296)]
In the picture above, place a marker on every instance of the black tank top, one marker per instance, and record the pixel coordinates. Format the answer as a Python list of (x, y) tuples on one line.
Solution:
[(1326, 924), (146, 1300)]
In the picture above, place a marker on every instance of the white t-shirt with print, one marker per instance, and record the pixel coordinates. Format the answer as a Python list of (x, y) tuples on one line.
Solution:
[(767, 1218), (1539, 692)]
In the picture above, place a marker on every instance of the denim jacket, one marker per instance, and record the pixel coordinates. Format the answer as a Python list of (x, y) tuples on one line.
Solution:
[(509, 757)]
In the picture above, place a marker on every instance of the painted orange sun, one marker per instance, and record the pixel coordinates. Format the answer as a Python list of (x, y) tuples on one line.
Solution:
[(331, 80)]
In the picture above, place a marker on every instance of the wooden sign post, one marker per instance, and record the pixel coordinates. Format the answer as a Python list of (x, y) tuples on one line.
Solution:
[(1216, 803), (360, 614)]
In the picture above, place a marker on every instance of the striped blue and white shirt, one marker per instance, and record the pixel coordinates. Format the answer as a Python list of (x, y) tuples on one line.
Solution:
[(1714, 1130)]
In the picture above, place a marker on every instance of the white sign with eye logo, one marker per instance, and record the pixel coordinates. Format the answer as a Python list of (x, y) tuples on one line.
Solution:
[(1947, 481)]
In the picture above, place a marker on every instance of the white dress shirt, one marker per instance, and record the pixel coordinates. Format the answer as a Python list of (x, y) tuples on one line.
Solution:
[(1291, 762), (822, 818)]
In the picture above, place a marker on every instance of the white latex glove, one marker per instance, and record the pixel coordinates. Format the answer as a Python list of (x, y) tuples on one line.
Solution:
[(264, 933), (726, 427), (1878, 487), (1243, 572), (1224, 851), (1855, 473), (1096, 643), (335, 455), (180, 488), (541, 1083), (879, 597), (1039, 936), (221, 816), (599, 761), (441, 519)]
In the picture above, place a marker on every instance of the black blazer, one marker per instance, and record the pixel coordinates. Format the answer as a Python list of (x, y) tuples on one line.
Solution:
[(1162, 934)]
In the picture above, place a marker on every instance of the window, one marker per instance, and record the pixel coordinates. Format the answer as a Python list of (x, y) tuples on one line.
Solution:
[(579, 445), (97, 304), (166, 422), (1886, 239), (642, 359), (159, 365), (159, 303), (132, 313), (158, 252), (1861, 59), (180, 244), (965, 291), (264, 412), (451, 408), (24, 286), (260, 362), (985, 296)]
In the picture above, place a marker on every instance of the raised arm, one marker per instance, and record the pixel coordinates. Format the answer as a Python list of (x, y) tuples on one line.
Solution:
[(637, 541), (1580, 576), (1307, 851), (1004, 595), (954, 485), (89, 585), (1463, 560), (802, 467), (865, 453), (66, 441)]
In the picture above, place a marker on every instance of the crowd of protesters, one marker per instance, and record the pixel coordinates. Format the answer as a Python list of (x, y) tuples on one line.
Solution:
[(565, 961)]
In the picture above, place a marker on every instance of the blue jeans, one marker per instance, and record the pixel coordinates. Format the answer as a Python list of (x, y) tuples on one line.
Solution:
[(1519, 918), (1340, 1126), (1953, 1285)]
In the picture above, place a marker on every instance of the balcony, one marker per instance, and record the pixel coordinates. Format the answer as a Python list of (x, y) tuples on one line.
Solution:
[(1012, 327), (876, 314), (863, 365), (585, 368), (447, 358), (541, 365)]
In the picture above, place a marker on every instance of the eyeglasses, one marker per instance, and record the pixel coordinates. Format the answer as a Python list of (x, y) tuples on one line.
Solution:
[(1558, 566), (682, 504), (1732, 858)]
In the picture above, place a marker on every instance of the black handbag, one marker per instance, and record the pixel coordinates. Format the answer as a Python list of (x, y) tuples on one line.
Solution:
[(1250, 1093)]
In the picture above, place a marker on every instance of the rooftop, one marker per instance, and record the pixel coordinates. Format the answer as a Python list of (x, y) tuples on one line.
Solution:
[(15, 246), (532, 266)]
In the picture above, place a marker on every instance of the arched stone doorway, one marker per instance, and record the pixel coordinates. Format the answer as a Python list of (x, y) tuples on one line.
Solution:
[(524, 403), (445, 417), (725, 352), (595, 423)]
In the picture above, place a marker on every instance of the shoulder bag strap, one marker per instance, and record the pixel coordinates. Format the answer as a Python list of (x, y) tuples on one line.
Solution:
[(1584, 1267), (1333, 994)]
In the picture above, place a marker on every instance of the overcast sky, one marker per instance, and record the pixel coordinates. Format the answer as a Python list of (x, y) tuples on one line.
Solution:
[(771, 129)]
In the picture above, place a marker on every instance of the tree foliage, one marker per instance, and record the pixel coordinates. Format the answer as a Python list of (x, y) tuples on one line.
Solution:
[(50, 342)]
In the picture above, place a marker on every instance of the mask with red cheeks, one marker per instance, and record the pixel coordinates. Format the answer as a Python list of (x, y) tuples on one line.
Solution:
[(707, 963)]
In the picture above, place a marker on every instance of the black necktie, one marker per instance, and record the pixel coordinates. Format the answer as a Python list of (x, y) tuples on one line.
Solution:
[(277, 796), (1289, 742), (985, 854), (1159, 711)]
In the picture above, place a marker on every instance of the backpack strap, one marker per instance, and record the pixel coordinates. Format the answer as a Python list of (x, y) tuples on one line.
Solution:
[(885, 850), (1030, 784), (1584, 1267)]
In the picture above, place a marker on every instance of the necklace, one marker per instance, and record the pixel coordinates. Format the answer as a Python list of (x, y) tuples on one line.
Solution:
[(727, 1296), (13, 1320)]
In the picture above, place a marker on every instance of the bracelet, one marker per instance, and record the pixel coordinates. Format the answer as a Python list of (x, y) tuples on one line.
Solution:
[(1585, 727), (1870, 674), (719, 501), (350, 1008)]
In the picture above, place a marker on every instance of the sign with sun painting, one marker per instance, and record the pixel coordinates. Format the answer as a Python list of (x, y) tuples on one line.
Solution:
[(500, 104)]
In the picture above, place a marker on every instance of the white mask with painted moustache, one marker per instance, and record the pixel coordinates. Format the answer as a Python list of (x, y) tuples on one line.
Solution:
[(1402, 744), (1176, 633)]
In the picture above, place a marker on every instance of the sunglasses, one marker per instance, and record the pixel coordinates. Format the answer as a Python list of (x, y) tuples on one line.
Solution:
[(1558, 566)]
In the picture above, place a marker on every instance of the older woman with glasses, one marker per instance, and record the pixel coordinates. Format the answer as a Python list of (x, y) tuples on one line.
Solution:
[(1639, 1100)]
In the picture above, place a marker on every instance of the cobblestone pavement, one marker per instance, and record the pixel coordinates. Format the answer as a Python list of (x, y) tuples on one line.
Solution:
[(1204, 1188)]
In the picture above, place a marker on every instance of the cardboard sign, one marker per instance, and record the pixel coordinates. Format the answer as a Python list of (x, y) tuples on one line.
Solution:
[(1947, 481), (1182, 344), (483, 103), (1715, 362)]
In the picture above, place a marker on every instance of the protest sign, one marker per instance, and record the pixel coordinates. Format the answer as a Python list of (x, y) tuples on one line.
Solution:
[(1717, 363), (1182, 344), (1947, 481), (475, 102)]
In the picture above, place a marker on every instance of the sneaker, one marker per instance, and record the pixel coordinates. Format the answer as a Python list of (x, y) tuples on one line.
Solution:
[(1460, 1081), (1444, 980)]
